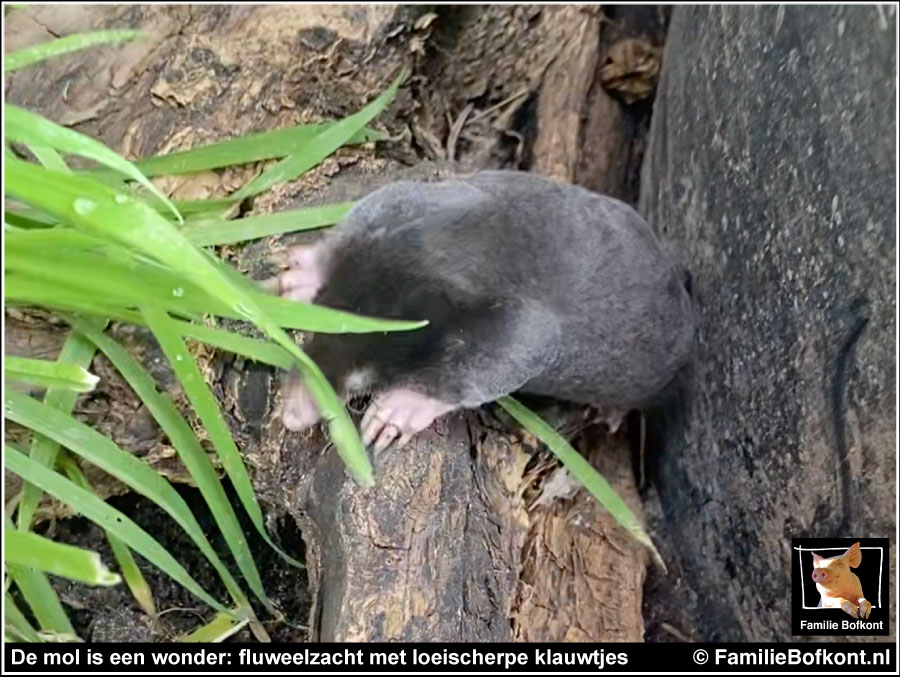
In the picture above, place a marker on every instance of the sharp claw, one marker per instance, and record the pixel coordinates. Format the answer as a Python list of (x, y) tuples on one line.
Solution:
[(371, 430), (271, 285), (370, 412), (388, 435), (305, 294)]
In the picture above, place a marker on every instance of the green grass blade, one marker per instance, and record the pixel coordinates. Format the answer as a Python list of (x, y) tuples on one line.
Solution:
[(46, 374), (147, 232), (108, 456), (306, 316), (12, 615), (110, 273), (192, 208), (112, 277), (94, 296), (26, 127), (220, 628), (106, 516), (185, 442), (78, 352), (49, 158), (583, 472), (27, 219), (275, 143), (24, 290), (41, 598), (59, 559), (210, 232), (321, 146), (256, 349), (203, 402), (71, 43), (134, 579), (309, 317), (39, 594)]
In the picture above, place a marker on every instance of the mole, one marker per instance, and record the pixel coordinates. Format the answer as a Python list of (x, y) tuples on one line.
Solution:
[(528, 284)]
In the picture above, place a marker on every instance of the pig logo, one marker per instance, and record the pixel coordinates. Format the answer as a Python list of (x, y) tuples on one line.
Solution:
[(838, 585)]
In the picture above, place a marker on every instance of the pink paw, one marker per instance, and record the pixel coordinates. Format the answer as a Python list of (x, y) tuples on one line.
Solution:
[(399, 413), (299, 410), (303, 278)]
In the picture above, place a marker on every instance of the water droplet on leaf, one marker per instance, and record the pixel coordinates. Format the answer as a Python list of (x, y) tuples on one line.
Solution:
[(83, 206)]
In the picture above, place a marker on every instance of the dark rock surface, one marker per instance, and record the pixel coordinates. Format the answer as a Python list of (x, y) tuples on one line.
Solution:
[(771, 174)]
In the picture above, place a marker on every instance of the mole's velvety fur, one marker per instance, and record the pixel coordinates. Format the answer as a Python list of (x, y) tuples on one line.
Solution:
[(528, 284)]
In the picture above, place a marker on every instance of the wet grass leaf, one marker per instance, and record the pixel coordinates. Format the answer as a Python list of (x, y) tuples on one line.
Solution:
[(593, 481), (70, 43)]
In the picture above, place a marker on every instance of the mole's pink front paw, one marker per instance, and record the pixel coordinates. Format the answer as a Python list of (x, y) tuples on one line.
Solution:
[(303, 278), (299, 410), (399, 413)]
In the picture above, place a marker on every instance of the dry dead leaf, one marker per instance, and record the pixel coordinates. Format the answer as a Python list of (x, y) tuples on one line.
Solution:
[(631, 69)]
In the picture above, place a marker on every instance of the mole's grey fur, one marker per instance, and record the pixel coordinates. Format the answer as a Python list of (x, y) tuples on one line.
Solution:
[(528, 284)]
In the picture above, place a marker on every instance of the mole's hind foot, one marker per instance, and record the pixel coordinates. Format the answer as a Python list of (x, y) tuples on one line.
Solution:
[(399, 413)]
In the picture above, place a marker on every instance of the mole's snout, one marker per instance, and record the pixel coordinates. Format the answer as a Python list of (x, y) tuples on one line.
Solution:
[(820, 576)]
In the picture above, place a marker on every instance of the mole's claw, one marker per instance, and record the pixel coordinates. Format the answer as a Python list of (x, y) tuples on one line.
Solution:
[(388, 435), (271, 285), (403, 412), (367, 417), (370, 431), (374, 422)]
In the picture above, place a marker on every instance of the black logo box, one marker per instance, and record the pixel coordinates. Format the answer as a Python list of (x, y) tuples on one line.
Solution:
[(873, 573)]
